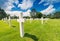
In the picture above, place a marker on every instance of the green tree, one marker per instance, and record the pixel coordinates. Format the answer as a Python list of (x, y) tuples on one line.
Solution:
[(57, 15), (14, 17), (2, 14), (38, 15), (33, 13), (27, 17)]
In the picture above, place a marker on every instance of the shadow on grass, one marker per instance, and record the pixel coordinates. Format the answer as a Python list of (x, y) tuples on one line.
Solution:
[(13, 26), (31, 36)]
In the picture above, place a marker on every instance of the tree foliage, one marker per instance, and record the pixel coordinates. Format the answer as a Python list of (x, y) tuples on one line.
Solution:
[(38, 15), (2, 14), (57, 15), (14, 17), (53, 15), (33, 13)]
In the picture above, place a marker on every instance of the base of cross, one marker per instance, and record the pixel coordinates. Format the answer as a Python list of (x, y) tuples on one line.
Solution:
[(21, 30)]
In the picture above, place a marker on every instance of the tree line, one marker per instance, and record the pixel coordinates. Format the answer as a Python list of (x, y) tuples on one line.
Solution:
[(33, 14)]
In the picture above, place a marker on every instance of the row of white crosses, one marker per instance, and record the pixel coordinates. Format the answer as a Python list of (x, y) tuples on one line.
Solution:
[(21, 20), (7, 20)]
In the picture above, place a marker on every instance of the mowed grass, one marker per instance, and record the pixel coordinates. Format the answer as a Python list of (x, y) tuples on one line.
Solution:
[(33, 30)]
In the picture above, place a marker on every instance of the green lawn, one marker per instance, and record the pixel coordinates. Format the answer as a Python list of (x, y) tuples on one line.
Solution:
[(34, 31)]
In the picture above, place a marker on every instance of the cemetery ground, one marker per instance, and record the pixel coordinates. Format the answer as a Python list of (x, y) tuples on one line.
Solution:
[(33, 31)]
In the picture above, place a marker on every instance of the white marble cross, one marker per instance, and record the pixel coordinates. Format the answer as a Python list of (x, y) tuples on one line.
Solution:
[(9, 20), (42, 20), (21, 20)]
